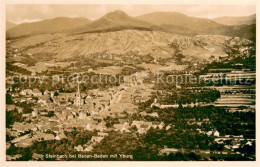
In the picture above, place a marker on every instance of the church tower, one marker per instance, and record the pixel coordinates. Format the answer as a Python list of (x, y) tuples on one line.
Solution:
[(78, 98)]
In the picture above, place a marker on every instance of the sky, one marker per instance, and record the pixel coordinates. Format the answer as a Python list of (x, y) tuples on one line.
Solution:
[(36, 12)]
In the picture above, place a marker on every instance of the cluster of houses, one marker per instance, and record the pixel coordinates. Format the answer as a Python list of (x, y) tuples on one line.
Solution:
[(68, 111), (25, 134)]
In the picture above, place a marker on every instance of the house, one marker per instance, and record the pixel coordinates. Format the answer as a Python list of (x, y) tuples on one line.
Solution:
[(122, 127), (60, 136), (216, 133), (24, 143), (15, 95), (46, 92), (161, 125), (13, 157), (35, 113), (20, 138), (205, 151), (82, 115), (102, 134), (36, 93), (168, 127), (9, 89), (88, 97), (96, 139), (69, 116), (26, 92), (16, 100), (78, 148), (45, 136), (88, 127), (43, 101), (100, 127), (44, 128), (26, 115), (249, 143), (17, 127), (236, 146), (20, 109), (88, 149), (168, 151), (142, 127), (23, 93), (55, 129), (209, 133), (154, 114), (37, 157), (23, 127), (178, 86), (10, 107)]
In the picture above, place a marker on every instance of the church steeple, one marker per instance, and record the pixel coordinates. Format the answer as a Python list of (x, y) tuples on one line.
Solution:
[(78, 88), (78, 97)]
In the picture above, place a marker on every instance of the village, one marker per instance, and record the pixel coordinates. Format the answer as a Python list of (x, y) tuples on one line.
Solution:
[(54, 114)]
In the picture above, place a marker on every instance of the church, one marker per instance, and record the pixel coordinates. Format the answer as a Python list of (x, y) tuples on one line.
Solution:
[(77, 99)]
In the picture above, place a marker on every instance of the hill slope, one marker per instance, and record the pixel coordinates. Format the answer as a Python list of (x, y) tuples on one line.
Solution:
[(177, 22), (59, 24), (248, 20), (9, 25), (155, 43)]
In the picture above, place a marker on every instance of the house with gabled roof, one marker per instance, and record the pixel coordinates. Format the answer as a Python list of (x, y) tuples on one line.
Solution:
[(60, 136)]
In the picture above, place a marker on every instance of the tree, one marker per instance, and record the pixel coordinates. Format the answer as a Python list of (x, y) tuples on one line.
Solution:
[(56, 93), (8, 99)]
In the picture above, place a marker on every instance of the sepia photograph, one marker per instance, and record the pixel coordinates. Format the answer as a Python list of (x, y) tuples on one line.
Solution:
[(130, 82)]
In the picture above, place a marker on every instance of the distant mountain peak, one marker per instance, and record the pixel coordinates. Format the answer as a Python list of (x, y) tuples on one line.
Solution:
[(116, 14)]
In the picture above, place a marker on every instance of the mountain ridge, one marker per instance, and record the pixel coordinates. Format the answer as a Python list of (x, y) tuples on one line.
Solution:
[(117, 20), (171, 22)]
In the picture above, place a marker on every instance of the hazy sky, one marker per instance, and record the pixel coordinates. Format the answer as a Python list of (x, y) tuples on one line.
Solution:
[(29, 13)]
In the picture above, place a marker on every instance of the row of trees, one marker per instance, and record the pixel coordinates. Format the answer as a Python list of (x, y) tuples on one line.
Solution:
[(187, 96)]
